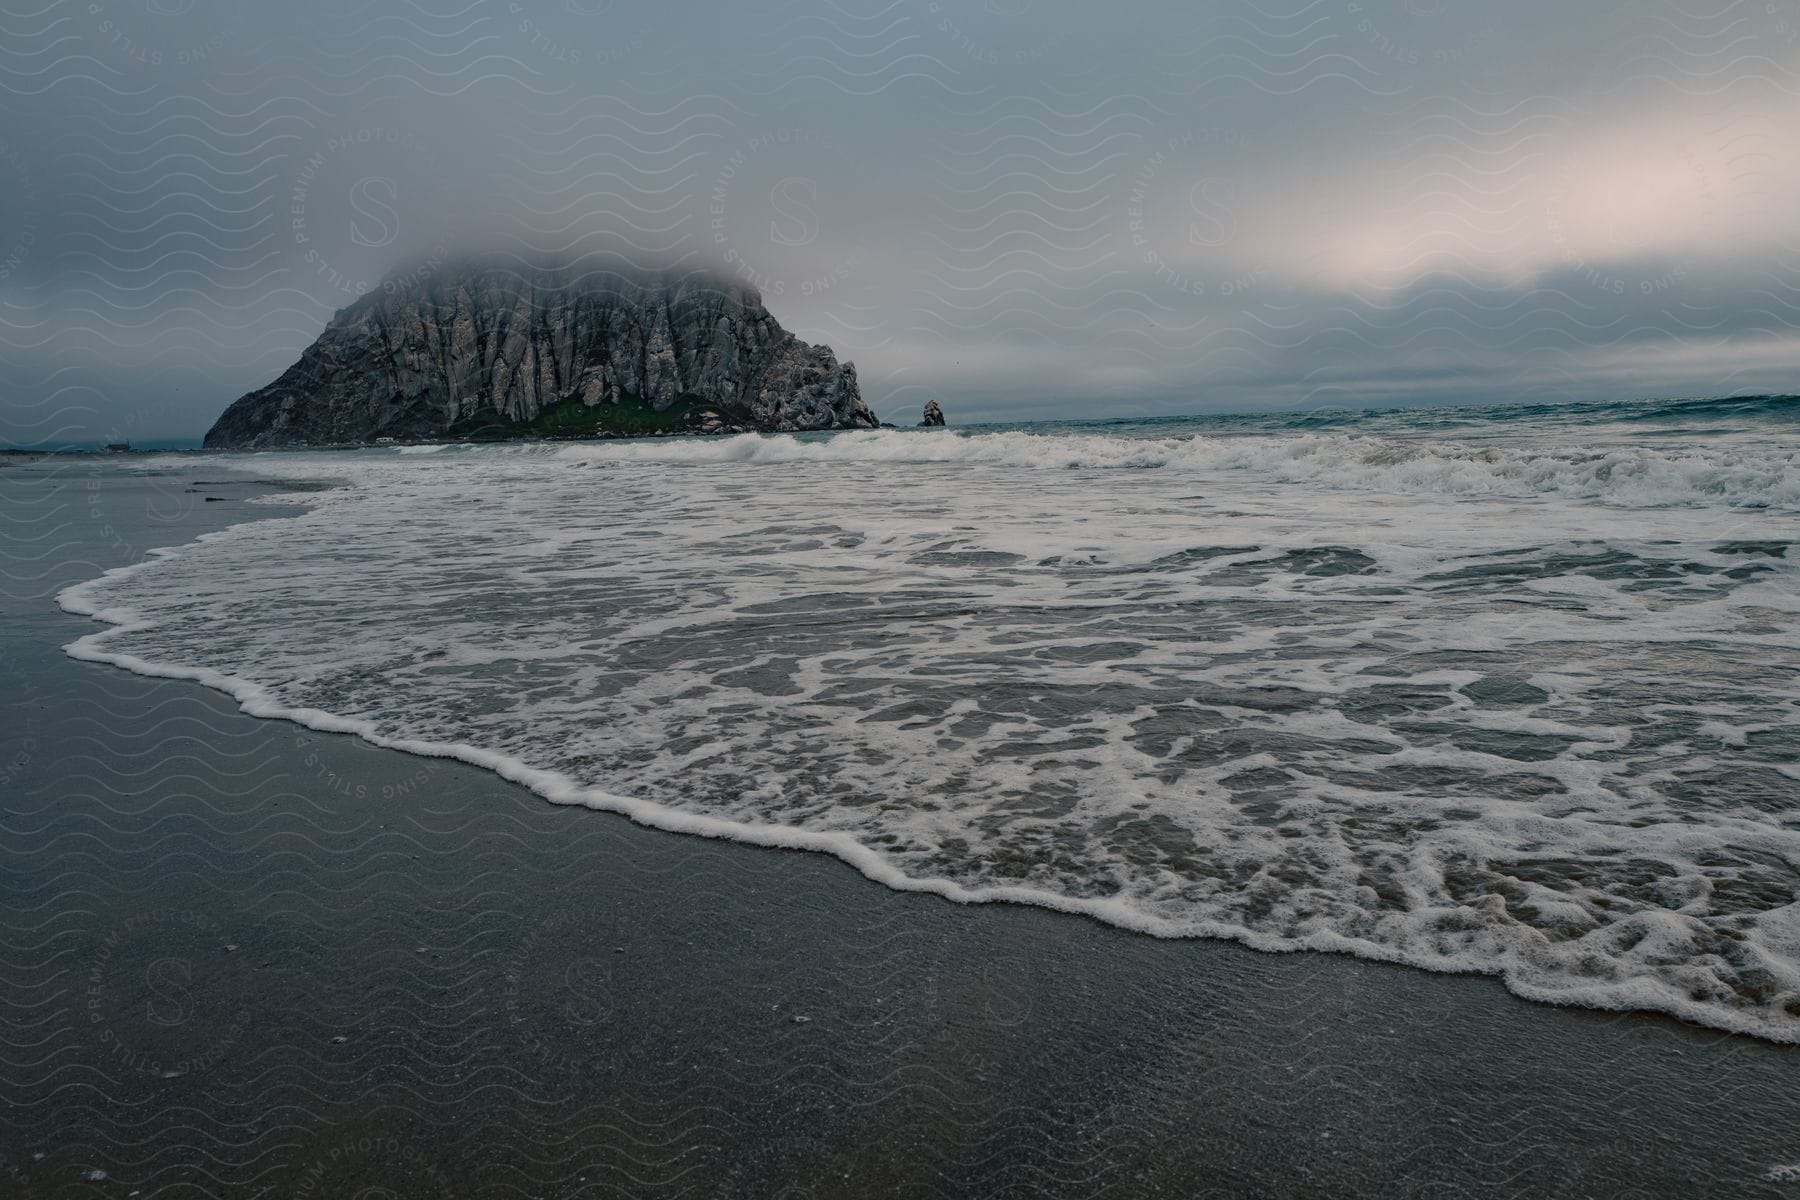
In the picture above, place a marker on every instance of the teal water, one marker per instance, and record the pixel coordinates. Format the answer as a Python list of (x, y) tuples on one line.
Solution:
[(1711, 418)]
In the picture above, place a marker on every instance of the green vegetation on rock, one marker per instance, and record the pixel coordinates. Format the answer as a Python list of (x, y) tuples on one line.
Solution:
[(629, 416)]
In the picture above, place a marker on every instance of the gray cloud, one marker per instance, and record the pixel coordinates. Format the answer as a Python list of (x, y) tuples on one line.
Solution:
[(1022, 208)]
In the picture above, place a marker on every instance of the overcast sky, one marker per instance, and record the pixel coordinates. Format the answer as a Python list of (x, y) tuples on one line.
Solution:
[(1021, 208)]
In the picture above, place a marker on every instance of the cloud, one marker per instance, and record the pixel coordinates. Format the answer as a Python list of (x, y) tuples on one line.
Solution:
[(1021, 208)]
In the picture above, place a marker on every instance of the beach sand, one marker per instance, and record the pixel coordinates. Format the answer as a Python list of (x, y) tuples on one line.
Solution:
[(242, 958)]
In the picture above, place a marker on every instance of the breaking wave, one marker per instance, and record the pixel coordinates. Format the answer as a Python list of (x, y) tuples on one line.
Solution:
[(1631, 476)]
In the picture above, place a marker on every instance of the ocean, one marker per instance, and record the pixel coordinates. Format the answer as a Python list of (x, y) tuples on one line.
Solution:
[(1508, 690)]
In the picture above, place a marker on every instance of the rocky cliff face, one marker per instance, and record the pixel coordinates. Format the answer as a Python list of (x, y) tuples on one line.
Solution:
[(499, 350)]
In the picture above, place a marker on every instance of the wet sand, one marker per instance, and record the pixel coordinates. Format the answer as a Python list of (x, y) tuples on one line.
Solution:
[(242, 958)]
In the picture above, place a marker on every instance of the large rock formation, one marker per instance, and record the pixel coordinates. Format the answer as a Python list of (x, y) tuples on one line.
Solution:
[(934, 414), (490, 350)]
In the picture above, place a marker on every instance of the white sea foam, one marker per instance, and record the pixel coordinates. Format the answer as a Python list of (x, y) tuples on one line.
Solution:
[(1534, 736), (1628, 475)]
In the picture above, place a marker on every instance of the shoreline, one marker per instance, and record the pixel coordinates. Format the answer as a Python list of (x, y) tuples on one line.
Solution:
[(555, 788), (438, 981)]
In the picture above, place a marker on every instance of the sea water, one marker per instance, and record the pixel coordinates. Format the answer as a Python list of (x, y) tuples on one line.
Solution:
[(1511, 690)]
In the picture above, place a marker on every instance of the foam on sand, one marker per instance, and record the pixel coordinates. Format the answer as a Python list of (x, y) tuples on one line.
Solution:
[(1548, 737)]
